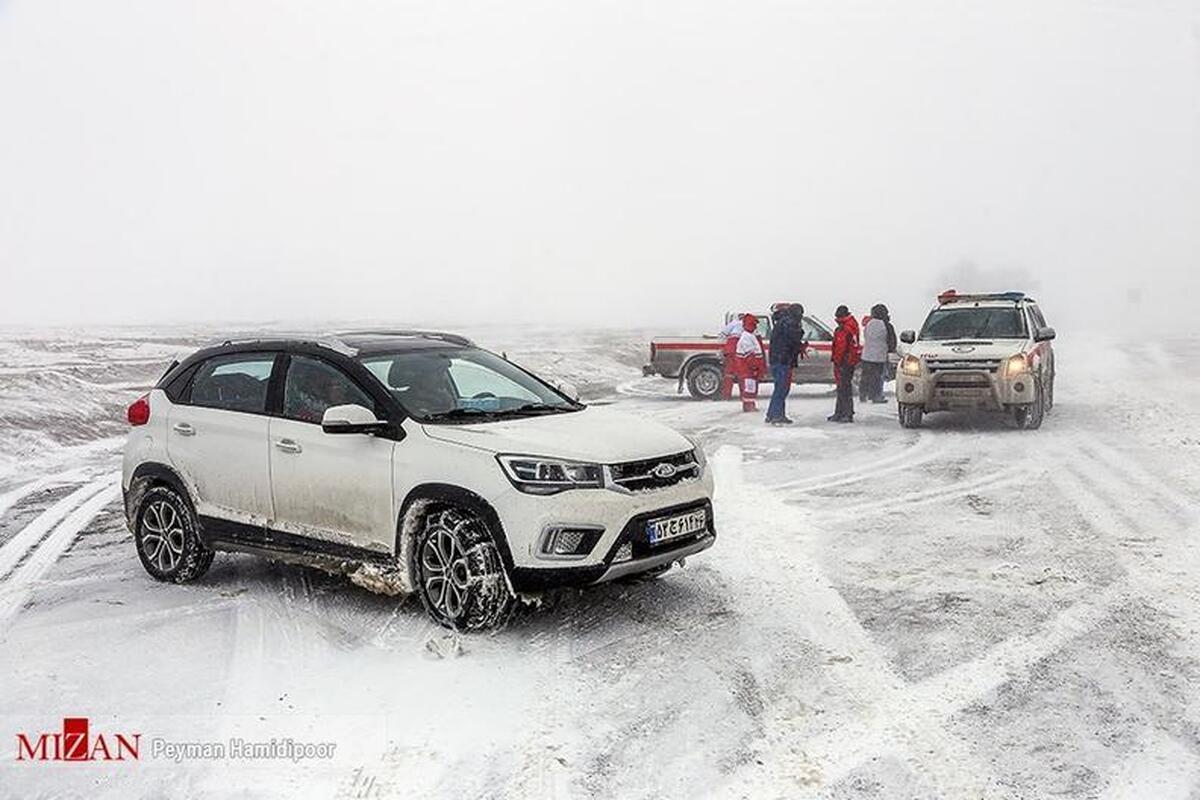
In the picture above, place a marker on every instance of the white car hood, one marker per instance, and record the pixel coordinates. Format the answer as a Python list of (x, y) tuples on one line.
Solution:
[(968, 350), (597, 435)]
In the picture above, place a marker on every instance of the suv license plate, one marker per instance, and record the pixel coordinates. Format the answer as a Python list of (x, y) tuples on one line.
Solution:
[(667, 528)]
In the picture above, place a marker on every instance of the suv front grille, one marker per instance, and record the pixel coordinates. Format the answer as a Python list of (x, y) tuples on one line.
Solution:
[(937, 365), (655, 473)]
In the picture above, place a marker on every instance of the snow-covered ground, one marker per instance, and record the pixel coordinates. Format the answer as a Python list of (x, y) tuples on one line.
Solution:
[(961, 611)]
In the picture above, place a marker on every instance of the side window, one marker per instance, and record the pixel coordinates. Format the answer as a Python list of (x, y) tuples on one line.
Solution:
[(311, 386), (764, 327), (814, 332), (234, 382)]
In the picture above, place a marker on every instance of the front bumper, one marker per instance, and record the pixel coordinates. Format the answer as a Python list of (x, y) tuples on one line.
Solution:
[(965, 390), (629, 552)]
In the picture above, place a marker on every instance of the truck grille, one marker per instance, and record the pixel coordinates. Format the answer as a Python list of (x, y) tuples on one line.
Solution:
[(655, 473), (937, 365)]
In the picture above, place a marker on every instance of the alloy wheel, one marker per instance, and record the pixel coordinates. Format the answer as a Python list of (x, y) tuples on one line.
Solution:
[(447, 576), (162, 535)]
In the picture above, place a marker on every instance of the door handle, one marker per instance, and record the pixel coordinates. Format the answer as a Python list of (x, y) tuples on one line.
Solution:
[(184, 429), (289, 445)]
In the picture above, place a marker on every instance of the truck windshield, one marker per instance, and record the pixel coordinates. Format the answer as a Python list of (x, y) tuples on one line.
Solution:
[(987, 322), (463, 385)]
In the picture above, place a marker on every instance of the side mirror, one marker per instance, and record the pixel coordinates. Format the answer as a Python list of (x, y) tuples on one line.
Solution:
[(1044, 334), (569, 389), (351, 419), (908, 337)]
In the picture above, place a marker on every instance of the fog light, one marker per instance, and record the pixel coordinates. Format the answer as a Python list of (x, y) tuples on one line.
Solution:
[(624, 553), (569, 542), (1019, 387)]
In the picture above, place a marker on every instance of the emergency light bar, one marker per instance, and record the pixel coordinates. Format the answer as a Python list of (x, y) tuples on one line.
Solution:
[(951, 296)]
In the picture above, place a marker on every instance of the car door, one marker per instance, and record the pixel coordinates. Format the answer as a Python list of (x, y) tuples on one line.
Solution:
[(328, 486), (217, 437), (817, 368)]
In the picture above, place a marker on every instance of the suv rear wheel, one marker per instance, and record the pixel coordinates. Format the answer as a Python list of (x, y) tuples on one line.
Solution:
[(460, 575), (166, 537), (704, 380)]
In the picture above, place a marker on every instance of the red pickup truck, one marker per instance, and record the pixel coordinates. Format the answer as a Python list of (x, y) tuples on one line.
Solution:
[(696, 361)]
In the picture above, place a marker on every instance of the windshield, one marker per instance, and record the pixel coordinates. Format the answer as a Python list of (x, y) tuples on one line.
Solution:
[(466, 385), (995, 322)]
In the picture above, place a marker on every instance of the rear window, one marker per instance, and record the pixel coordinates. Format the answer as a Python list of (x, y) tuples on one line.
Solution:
[(986, 322), (234, 382)]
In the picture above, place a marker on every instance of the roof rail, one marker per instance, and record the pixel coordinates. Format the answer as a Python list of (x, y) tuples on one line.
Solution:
[(452, 338)]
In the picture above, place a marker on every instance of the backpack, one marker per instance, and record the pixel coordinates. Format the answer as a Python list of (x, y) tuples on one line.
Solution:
[(892, 342)]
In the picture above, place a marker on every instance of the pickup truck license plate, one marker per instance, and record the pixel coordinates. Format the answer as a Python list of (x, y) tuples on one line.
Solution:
[(667, 528)]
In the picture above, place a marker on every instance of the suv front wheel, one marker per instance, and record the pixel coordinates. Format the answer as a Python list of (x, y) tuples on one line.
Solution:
[(911, 415), (166, 537), (460, 575), (1029, 417)]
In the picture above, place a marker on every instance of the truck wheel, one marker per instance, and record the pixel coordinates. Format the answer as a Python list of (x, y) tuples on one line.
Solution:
[(911, 415), (1029, 417), (704, 380), (460, 575), (166, 537)]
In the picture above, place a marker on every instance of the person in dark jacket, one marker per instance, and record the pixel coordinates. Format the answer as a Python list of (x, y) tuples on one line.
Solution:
[(787, 345), (846, 354)]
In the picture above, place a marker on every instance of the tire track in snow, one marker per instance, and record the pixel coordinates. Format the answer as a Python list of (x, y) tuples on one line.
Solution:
[(891, 719), (14, 496), (20, 583), (1001, 478), (1164, 572), (892, 463), (21, 544)]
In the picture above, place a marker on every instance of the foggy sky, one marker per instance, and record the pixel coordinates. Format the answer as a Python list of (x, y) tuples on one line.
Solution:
[(621, 162)]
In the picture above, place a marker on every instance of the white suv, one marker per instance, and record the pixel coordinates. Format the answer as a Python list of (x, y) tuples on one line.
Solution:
[(411, 461), (979, 352)]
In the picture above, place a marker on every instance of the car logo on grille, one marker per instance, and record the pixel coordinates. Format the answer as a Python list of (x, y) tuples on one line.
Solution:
[(964, 348), (664, 471)]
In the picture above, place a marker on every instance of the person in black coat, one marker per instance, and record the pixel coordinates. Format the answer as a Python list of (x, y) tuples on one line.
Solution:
[(786, 346)]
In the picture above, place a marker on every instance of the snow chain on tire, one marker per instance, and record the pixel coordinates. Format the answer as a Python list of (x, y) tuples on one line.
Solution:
[(459, 572)]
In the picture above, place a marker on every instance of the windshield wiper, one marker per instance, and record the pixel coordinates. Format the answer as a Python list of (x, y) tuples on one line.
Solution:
[(460, 413), (538, 408)]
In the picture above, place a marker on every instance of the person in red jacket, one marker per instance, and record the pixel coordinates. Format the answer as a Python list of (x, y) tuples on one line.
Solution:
[(846, 354), (748, 361)]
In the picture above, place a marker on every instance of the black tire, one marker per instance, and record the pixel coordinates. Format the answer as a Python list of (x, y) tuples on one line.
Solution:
[(167, 537), (911, 416), (1050, 393), (459, 573), (1030, 417), (704, 380)]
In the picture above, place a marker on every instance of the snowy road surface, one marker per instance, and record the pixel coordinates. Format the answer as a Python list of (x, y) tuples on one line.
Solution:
[(960, 611)]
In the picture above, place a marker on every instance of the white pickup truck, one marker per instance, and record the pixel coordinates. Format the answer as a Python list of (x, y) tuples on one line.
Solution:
[(696, 361)]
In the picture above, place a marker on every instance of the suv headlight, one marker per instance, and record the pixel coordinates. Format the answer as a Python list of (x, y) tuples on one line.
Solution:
[(911, 365), (534, 475), (1016, 365)]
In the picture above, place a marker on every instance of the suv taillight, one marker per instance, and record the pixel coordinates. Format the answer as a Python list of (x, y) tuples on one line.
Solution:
[(139, 412)]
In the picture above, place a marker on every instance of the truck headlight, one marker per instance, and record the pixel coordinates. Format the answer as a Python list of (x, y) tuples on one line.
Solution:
[(911, 365), (534, 475), (1016, 365)]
